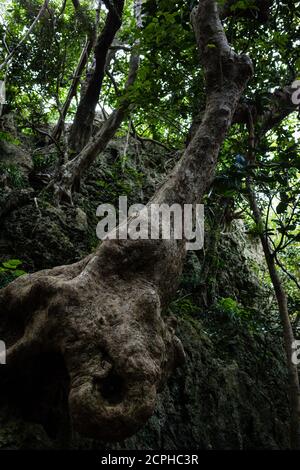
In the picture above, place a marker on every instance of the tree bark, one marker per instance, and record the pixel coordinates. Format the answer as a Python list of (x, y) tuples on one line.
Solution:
[(56, 134), (70, 173), (83, 122), (281, 297), (83, 60), (103, 315)]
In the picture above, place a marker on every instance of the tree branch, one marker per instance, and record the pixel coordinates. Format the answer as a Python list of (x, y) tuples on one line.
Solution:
[(258, 10), (281, 106), (73, 170), (28, 32), (82, 126)]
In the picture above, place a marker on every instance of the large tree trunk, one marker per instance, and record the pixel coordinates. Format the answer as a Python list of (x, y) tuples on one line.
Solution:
[(103, 315), (281, 297), (83, 122)]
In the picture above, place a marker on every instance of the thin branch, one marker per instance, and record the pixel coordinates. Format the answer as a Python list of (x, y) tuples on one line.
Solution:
[(113, 81), (42, 132), (29, 31), (73, 88), (290, 275), (74, 168), (153, 141), (62, 10)]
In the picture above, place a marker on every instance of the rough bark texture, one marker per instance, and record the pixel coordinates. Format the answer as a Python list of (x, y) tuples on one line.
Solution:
[(231, 391), (83, 122), (72, 171), (214, 402), (73, 88), (103, 314)]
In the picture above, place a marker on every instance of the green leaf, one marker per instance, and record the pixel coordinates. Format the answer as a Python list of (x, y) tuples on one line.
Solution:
[(12, 263)]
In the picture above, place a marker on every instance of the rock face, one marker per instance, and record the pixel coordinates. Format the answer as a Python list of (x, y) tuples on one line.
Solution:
[(225, 397), (216, 402), (12, 154), (231, 392)]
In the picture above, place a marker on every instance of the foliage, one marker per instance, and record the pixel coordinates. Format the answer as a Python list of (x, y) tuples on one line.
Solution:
[(120, 178), (42, 161), (168, 95), (7, 137), (183, 306), (12, 174), (10, 270), (248, 317)]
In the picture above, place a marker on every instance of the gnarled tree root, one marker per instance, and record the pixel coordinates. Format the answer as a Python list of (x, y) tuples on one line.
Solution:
[(108, 329)]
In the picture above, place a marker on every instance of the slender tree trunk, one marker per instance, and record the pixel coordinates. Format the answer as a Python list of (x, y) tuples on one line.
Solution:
[(83, 60), (81, 130), (56, 134), (71, 172), (103, 314), (281, 297)]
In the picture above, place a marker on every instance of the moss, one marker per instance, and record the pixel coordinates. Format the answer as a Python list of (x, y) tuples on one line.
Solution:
[(231, 392), (13, 175), (42, 161), (7, 137)]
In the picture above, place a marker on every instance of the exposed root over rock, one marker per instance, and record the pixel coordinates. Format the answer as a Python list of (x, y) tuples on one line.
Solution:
[(108, 329)]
